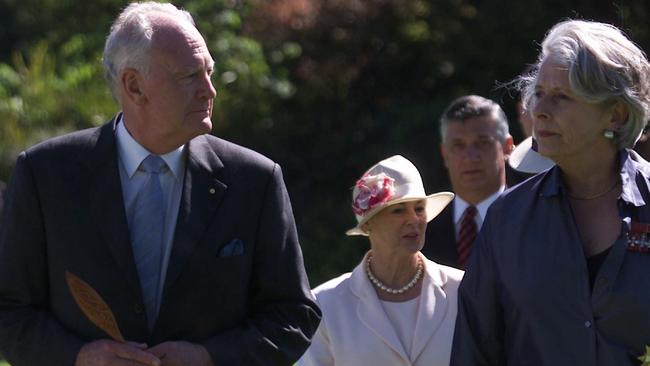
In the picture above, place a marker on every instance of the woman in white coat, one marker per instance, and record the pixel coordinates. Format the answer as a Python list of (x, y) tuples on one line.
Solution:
[(396, 307)]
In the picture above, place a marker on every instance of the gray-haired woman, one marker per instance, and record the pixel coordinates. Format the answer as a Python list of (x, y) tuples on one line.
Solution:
[(561, 270)]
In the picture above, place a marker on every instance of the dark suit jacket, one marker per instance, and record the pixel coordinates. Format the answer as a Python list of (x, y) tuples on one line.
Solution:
[(514, 177), (3, 188), (65, 213), (440, 239)]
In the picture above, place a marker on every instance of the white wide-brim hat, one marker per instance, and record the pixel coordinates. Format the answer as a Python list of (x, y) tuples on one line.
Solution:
[(526, 159), (389, 182)]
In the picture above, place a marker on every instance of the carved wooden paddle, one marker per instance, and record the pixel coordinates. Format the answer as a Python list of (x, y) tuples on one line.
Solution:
[(93, 306)]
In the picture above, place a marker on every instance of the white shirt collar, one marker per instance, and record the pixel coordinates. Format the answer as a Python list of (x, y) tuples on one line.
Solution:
[(132, 153), (460, 205)]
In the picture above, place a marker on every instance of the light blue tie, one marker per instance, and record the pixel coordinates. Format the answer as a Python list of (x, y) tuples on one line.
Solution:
[(147, 227)]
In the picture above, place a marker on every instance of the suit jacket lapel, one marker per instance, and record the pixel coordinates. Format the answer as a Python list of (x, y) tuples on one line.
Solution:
[(432, 310), (371, 313), (202, 193), (104, 194)]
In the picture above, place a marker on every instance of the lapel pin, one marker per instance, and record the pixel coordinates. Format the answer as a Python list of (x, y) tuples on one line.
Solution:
[(212, 191)]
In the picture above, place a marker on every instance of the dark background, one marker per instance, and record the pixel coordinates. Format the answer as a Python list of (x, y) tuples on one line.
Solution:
[(325, 88)]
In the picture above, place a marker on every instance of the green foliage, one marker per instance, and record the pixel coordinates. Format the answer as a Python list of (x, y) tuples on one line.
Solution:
[(43, 94), (52, 82), (373, 77)]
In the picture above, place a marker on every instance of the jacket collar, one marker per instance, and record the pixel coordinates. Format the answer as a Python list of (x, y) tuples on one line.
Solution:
[(432, 309), (634, 172)]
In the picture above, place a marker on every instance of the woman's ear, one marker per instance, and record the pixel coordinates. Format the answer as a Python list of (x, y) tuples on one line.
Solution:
[(619, 116)]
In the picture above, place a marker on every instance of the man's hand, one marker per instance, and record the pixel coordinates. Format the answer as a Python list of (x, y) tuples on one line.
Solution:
[(182, 353), (109, 352)]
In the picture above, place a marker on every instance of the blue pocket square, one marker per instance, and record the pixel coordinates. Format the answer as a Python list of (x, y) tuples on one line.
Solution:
[(235, 247)]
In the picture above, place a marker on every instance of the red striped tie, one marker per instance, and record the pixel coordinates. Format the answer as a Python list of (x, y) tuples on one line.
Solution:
[(466, 235)]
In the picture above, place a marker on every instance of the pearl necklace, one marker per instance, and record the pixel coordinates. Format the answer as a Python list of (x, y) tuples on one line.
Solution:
[(380, 285)]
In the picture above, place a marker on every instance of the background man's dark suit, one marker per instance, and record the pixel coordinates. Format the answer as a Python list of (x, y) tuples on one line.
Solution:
[(248, 304), (440, 240)]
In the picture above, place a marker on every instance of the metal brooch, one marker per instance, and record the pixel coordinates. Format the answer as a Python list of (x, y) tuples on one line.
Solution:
[(638, 239)]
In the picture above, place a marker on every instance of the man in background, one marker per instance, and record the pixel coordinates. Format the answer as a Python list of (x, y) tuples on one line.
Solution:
[(475, 146), (189, 239)]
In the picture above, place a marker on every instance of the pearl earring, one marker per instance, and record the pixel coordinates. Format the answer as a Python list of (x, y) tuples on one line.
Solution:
[(609, 134)]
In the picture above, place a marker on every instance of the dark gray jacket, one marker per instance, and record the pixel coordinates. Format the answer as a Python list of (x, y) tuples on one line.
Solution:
[(526, 298)]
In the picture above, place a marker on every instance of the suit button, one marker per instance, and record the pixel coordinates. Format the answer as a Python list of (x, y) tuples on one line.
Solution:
[(138, 309)]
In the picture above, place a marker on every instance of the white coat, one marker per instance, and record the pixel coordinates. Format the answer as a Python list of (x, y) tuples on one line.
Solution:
[(355, 330)]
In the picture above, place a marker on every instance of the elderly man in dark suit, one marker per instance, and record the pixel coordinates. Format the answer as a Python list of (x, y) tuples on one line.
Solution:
[(189, 239), (475, 146)]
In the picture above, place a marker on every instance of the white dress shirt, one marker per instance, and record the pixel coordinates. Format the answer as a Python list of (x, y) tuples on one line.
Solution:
[(460, 205)]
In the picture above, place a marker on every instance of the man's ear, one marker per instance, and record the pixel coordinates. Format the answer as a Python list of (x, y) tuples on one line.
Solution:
[(132, 86), (508, 146)]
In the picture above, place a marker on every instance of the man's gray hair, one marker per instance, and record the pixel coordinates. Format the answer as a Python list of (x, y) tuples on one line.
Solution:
[(129, 42), (471, 106), (604, 67)]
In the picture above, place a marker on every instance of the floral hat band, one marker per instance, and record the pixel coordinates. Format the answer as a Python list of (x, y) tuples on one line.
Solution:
[(372, 190), (391, 181)]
